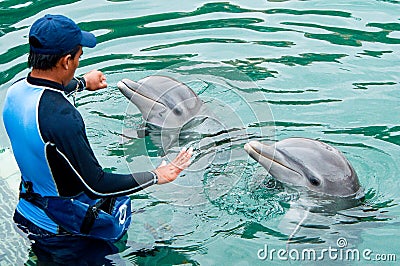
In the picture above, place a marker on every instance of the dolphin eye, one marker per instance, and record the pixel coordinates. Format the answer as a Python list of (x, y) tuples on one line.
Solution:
[(177, 111), (315, 181)]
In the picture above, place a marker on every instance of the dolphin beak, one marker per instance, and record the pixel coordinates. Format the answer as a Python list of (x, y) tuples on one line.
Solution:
[(258, 151), (139, 94), (273, 160), (128, 87)]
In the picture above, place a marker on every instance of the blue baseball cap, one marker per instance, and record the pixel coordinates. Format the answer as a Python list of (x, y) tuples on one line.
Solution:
[(57, 34)]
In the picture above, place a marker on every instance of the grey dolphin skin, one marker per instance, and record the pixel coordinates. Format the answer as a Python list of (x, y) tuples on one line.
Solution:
[(163, 101), (307, 163)]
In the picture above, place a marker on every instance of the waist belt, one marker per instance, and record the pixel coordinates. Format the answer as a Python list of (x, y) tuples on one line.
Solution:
[(106, 218)]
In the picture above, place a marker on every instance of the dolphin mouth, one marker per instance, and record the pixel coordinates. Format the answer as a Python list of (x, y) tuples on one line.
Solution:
[(128, 90), (259, 151)]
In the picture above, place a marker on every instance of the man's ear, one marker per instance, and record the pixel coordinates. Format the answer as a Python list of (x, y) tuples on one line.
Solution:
[(64, 61)]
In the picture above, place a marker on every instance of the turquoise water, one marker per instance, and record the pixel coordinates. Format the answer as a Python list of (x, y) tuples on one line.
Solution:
[(268, 70)]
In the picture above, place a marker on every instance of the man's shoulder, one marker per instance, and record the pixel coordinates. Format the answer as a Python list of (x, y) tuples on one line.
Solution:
[(56, 107), (58, 118), (19, 80), (56, 99), (17, 86)]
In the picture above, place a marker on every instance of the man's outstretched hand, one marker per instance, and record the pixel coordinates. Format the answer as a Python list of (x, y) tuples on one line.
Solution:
[(95, 80), (169, 172)]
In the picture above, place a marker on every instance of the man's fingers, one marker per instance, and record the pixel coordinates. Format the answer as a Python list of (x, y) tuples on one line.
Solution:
[(184, 153), (182, 158), (186, 164), (181, 161), (168, 172)]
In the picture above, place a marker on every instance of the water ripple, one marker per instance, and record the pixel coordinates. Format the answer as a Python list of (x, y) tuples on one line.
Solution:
[(327, 71), (350, 37)]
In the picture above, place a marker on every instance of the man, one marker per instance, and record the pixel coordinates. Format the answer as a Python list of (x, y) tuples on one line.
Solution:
[(49, 141)]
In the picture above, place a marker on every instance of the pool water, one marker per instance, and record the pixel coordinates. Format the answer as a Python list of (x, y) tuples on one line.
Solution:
[(266, 70)]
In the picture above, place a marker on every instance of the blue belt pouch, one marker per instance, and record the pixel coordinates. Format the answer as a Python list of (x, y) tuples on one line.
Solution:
[(80, 215)]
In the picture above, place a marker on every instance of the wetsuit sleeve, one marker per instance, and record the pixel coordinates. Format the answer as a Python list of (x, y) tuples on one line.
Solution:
[(76, 84), (61, 124)]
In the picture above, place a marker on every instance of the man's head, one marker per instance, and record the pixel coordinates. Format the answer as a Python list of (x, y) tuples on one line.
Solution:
[(54, 37)]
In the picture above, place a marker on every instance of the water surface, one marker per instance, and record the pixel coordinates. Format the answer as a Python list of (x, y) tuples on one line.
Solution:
[(320, 69)]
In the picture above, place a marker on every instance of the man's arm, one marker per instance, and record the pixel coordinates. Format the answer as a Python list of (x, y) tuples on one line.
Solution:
[(66, 130), (93, 80)]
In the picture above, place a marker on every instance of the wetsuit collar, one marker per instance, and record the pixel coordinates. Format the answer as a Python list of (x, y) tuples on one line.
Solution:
[(45, 83)]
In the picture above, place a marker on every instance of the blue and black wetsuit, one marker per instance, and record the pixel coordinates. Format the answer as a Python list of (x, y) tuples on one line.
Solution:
[(39, 119)]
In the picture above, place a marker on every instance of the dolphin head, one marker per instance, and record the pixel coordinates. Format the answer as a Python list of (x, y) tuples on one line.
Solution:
[(163, 101), (307, 163)]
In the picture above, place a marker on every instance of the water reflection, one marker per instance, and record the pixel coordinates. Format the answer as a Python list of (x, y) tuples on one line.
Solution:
[(163, 255), (385, 133), (69, 250), (328, 71), (351, 37), (12, 12)]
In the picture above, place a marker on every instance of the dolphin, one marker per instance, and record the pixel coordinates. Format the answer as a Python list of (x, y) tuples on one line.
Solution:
[(308, 163), (163, 101)]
